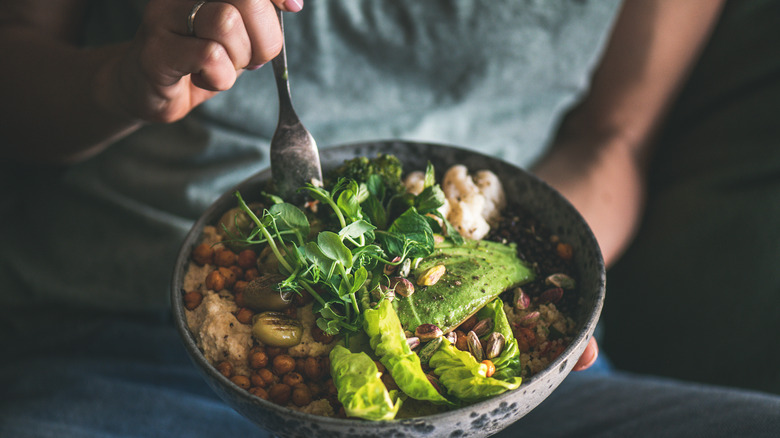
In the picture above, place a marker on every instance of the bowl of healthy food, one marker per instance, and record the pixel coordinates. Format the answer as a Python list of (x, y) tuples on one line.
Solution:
[(422, 289)]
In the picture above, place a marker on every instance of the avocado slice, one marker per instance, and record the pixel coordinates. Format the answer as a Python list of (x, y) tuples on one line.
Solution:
[(477, 272)]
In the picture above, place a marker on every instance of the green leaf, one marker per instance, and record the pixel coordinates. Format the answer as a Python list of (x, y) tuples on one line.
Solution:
[(429, 200), (348, 200), (360, 388), (318, 193), (373, 209), (507, 363), (388, 341), (376, 186), (331, 245), (360, 277), (314, 255), (430, 176), (464, 377), (416, 230), (290, 218), (356, 229)]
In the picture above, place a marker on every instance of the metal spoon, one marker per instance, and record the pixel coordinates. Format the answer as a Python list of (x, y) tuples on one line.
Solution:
[(295, 160)]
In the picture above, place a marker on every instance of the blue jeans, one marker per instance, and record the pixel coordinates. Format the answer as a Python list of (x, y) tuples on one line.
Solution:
[(132, 378)]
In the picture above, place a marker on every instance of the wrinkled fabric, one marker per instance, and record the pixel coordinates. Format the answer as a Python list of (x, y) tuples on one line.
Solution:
[(491, 76)]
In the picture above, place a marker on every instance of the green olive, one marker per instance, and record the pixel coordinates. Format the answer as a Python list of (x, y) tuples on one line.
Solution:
[(262, 293), (277, 329), (234, 224)]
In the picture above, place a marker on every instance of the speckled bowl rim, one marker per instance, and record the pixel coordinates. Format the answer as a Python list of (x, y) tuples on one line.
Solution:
[(223, 386)]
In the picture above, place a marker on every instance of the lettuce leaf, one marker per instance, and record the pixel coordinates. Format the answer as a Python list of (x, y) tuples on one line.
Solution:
[(360, 388), (388, 341), (464, 377), (508, 362)]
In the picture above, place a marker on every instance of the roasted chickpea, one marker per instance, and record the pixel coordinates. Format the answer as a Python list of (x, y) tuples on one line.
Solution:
[(192, 300), (565, 251), (239, 287), (215, 281), (247, 259), (237, 271), (263, 377), (283, 364), (292, 378), (330, 387), (229, 275), (491, 368), (257, 380), (226, 368), (251, 274), (312, 368), (301, 395), (274, 351), (280, 393), (259, 392), (462, 342), (241, 381), (224, 257), (244, 315), (240, 301), (300, 363), (258, 359), (203, 254), (315, 388), (320, 336), (468, 324)]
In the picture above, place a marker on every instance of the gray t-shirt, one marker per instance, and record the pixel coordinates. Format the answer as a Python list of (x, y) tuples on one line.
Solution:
[(492, 76)]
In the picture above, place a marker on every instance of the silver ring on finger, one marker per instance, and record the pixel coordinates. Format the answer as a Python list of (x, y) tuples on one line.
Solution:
[(191, 17)]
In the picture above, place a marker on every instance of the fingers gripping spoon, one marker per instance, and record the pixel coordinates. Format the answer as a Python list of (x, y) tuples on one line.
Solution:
[(295, 160)]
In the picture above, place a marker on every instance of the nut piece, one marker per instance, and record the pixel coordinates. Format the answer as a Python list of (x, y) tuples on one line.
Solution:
[(551, 295), (452, 337), (495, 345), (560, 280), (427, 351), (431, 276), (406, 267), (413, 342), (427, 332), (522, 301), (391, 268), (402, 286), (483, 327), (530, 319), (475, 347)]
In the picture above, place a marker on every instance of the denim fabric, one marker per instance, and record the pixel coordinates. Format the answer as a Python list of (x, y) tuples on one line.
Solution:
[(126, 377)]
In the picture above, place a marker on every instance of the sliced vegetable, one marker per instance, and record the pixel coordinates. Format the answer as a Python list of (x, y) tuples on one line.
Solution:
[(388, 341), (360, 388), (477, 272)]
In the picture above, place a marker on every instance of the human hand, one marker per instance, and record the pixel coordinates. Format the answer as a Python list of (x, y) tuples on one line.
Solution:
[(588, 356), (170, 67)]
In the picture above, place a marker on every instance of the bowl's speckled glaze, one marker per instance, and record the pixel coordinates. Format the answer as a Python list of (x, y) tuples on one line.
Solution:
[(481, 419)]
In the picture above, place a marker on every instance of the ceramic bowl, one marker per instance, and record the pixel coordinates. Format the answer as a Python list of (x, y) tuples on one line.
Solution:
[(480, 419)]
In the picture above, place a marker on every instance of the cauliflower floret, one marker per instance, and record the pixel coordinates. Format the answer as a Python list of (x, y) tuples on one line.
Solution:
[(415, 182), (475, 203), (472, 204), (495, 200)]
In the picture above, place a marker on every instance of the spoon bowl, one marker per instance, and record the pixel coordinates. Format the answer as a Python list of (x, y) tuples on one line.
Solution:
[(295, 159)]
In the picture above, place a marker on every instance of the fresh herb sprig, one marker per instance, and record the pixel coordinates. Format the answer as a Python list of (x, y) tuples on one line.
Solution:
[(375, 224)]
